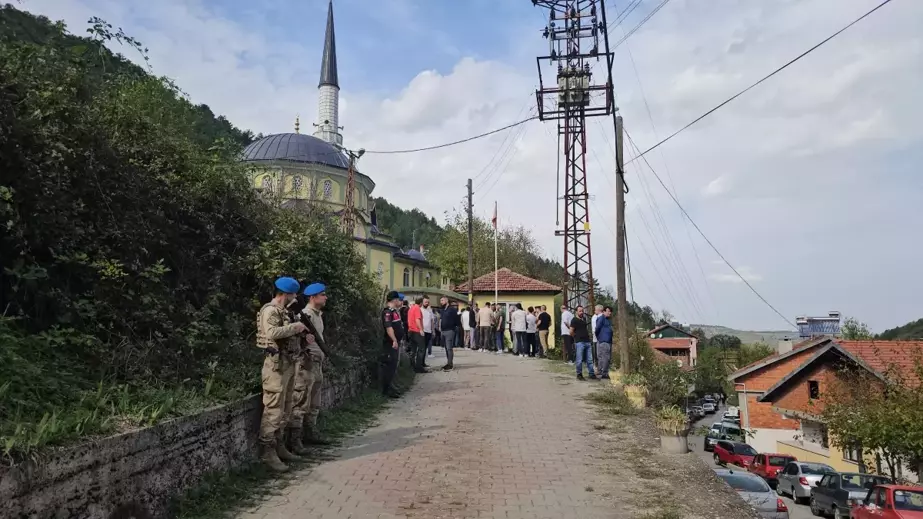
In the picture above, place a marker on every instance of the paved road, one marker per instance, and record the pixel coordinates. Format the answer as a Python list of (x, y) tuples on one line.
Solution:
[(495, 438), (696, 444)]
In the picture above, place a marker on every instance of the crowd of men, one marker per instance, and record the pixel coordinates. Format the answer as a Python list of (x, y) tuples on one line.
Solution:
[(290, 331)]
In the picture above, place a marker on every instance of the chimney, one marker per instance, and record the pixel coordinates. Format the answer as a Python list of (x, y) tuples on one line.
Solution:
[(785, 346)]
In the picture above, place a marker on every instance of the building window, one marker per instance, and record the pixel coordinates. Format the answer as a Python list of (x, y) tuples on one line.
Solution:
[(267, 184), (328, 189), (852, 453), (381, 271), (406, 277), (813, 390), (429, 278), (297, 183)]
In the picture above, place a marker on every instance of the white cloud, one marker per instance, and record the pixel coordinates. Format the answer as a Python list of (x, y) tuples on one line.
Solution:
[(834, 132)]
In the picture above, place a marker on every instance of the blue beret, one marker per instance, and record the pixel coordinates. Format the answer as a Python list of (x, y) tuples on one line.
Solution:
[(314, 288), (288, 285), (400, 296)]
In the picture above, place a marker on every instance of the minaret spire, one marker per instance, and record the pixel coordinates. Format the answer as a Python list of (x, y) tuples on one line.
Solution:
[(328, 95)]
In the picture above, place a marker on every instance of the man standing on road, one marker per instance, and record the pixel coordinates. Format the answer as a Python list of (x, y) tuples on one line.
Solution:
[(544, 325), (485, 333), (531, 332), (417, 338), (597, 311), (309, 376), (499, 321), (566, 337), (391, 343), (429, 320), (449, 323), (580, 331), (466, 326), (519, 325), (277, 336), (604, 342)]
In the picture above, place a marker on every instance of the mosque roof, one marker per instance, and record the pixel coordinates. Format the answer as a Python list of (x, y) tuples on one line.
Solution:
[(295, 147)]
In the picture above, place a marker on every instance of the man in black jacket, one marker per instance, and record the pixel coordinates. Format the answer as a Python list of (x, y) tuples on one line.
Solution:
[(449, 321)]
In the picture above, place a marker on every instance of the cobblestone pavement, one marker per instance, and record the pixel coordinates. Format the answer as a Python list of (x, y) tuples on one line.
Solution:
[(501, 438)]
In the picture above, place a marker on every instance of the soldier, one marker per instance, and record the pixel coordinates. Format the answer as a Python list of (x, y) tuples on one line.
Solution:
[(391, 353), (309, 375), (277, 335)]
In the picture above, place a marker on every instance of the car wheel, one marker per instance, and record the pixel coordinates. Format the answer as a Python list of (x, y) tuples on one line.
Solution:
[(837, 514), (814, 509)]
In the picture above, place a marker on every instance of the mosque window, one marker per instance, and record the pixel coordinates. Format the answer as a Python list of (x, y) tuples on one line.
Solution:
[(328, 189), (381, 271), (429, 278), (406, 277), (297, 183), (267, 184)]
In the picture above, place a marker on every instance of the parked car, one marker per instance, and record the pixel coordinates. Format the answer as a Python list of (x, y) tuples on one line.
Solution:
[(709, 407), (722, 431), (733, 418), (734, 453), (755, 492), (832, 494), (699, 411), (890, 502), (768, 466), (798, 478)]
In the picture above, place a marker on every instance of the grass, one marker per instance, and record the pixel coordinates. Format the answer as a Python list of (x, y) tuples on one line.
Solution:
[(223, 491), (612, 401)]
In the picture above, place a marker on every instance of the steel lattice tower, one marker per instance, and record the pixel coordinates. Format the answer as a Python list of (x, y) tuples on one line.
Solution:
[(574, 33)]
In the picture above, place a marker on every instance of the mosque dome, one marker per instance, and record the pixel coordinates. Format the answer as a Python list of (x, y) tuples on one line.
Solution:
[(417, 255), (295, 147)]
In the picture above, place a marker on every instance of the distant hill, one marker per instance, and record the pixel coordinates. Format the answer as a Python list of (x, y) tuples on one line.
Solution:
[(911, 330), (747, 337)]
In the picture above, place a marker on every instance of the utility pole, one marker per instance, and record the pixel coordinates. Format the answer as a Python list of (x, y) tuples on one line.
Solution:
[(625, 367), (575, 34), (470, 245)]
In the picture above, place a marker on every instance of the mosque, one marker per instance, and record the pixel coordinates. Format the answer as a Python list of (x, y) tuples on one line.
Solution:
[(311, 171)]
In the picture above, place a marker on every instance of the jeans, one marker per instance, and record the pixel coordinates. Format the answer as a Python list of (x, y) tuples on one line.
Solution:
[(568, 341), (448, 341), (499, 335), (484, 336), (428, 337), (521, 345), (584, 354), (603, 357), (532, 349)]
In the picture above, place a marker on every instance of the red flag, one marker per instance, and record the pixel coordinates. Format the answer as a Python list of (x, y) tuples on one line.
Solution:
[(494, 221)]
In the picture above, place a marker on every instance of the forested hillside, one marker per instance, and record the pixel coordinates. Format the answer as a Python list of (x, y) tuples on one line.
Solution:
[(409, 228), (911, 330)]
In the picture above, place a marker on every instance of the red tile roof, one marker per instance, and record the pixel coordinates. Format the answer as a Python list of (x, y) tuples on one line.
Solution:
[(883, 355), (508, 281), (670, 344)]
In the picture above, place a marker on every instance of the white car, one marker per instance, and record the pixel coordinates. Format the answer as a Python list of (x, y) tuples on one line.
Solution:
[(709, 407)]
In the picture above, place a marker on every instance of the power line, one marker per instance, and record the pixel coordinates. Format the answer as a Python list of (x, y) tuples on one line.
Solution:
[(623, 15), (453, 143), (642, 22), (712, 245), (502, 144), (773, 73)]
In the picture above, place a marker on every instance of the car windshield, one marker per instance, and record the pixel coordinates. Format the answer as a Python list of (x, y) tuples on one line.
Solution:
[(815, 470), (744, 449), (779, 461), (861, 481), (731, 431), (745, 482), (908, 500)]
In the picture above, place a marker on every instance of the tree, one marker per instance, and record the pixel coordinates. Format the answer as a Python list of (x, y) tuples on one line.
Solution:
[(854, 330), (750, 353), (711, 371), (725, 342), (879, 417)]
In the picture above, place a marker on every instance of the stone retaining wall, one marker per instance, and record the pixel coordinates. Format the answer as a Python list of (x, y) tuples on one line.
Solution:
[(135, 474)]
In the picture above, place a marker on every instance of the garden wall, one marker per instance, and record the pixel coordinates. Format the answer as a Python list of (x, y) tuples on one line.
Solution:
[(135, 474)]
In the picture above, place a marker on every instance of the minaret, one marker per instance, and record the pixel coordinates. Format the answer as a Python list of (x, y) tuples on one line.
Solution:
[(328, 95)]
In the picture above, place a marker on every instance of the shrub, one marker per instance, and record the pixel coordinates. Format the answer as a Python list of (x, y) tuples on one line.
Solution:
[(671, 420)]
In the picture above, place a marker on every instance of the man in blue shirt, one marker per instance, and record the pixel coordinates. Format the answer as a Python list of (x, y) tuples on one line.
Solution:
[(604, 341)]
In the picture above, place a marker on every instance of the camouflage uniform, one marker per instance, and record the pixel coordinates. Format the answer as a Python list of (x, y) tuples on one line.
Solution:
[(309, 378), (277, 334)]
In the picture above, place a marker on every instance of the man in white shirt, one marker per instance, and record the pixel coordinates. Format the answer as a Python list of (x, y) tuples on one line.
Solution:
[(429, 318), (566, 317), (531, 331), (597, 311), (518, 322), (466, 326)]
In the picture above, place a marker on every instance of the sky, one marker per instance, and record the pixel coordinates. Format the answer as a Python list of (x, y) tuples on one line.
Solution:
[(809, 184)]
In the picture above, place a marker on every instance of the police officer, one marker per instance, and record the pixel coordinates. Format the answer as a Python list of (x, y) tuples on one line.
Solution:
[(391, 343), (277, 335), (309, 375)]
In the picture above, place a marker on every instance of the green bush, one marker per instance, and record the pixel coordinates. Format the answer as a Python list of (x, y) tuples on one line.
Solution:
[(134, 253)]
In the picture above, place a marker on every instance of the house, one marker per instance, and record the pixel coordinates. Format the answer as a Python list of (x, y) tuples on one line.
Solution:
[(781, 395), (676, 343), (508, 288)]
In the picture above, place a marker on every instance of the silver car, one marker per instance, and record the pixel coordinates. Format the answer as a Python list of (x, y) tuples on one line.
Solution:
[(798, 477), (756, 492)]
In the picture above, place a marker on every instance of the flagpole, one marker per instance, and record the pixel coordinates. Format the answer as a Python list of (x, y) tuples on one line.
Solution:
[(496, 268)]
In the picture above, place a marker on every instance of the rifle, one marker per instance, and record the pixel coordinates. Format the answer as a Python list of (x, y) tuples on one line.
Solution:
[(299, 316)]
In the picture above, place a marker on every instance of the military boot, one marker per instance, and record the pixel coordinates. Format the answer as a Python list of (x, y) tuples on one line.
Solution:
[(283, 452), (314, 438), (296, 442), (270, 458)]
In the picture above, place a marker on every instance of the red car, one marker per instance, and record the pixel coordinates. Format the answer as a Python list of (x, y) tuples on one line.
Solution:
[(768, 466), (734, 453), (890, 502)]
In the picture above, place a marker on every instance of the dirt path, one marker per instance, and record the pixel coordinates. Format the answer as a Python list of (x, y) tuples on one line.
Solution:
[(501, 437)]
